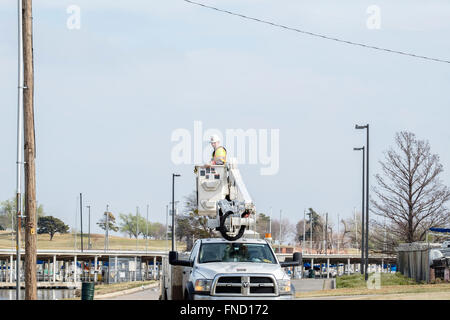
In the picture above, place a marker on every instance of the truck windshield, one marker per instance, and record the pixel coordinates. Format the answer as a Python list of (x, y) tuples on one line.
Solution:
[(236, 252)]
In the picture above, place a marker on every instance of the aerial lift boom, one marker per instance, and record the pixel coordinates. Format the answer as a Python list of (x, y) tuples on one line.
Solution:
[(223, 198)]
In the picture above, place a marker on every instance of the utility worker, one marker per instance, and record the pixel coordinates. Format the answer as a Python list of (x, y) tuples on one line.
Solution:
[(219, 155)]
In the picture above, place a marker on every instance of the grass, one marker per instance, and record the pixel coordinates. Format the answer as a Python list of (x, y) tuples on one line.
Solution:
[(67, 242), (392, 286), (387, 279), (384, 290)]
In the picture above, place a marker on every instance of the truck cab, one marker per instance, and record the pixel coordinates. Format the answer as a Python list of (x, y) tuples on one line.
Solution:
[(218, 269)]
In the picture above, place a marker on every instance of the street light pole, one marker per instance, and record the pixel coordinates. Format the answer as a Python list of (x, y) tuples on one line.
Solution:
[(167, 227), (107, 229), (356, 230), (367, 206), (173, 209), (362, 210), (311, 221), (304, 228), (323, 236), (279, 245), (326, 233), (89, 226), (81, 217), (338, 235), (146, 231), (137, 228), (366, 249), (270, 222)]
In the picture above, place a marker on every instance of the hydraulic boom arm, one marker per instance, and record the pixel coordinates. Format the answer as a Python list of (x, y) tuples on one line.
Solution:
[(223, 197)]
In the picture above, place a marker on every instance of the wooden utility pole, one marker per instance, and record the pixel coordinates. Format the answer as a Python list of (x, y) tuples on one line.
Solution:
[(29, 153)]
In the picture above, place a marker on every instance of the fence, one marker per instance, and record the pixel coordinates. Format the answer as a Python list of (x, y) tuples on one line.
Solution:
[(413, 260)]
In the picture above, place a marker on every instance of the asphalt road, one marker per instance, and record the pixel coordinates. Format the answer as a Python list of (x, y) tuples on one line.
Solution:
[(149, 294)]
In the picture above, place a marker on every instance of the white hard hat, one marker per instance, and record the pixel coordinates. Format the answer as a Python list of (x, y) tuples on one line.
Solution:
[(214, 138)]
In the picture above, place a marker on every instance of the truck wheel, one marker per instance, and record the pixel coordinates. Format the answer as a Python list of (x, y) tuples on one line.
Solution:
[(189, 292), (163, 295)]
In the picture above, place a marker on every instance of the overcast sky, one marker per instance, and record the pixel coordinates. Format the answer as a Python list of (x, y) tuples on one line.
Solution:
[(110, 94)]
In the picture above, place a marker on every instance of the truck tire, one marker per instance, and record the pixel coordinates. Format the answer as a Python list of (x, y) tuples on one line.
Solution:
[(163, 295), (189, 292)]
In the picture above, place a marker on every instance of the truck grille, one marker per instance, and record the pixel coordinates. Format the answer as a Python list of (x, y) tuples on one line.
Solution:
[(229, 285), (245, 285)]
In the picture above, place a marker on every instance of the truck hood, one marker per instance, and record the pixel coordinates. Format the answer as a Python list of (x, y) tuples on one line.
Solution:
[(209, 270)]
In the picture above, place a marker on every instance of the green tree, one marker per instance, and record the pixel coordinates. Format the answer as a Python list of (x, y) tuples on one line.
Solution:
[(111, 222), (132, 225), (8, 213), (318, 225), (51, 225), (155, 230)]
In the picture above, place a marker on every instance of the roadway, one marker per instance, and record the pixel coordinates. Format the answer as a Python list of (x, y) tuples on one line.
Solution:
[(149, 294)]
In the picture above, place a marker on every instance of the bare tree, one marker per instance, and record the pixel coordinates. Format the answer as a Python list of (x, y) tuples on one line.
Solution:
[(262, 224), (351, 235), (410, 194), (287, 230), (190, 225), (345, 237)]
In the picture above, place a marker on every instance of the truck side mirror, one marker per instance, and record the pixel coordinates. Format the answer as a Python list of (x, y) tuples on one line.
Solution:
[(173, 260), (297, 257), (296, 261)]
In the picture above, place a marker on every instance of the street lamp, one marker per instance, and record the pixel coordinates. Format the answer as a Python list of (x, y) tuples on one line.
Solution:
[(107, 213), (137, 228), (363, 204), (167, 227), (279, 244), (311, 221), (89, 227), (304, 229), (81, 217), (367, 197), (173, 209), (146, 231)]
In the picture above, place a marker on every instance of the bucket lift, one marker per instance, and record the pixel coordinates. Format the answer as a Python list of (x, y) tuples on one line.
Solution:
[(224, 199)]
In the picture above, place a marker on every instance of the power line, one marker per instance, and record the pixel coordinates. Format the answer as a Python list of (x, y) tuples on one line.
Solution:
[(317, 34)]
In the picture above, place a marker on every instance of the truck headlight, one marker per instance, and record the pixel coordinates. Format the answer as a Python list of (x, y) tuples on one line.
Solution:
[(284, 286), (203, 285)]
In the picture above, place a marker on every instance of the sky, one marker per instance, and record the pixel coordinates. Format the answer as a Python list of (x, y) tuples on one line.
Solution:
[(109, 96)]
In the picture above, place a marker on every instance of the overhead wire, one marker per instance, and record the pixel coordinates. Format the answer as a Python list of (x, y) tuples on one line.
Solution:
[(323, 36)]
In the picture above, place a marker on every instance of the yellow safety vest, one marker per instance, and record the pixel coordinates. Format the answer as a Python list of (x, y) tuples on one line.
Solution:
[(219, 156)]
